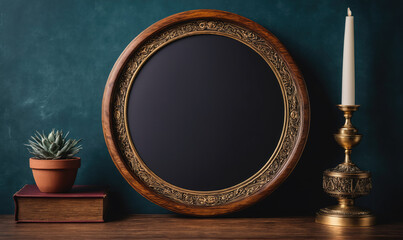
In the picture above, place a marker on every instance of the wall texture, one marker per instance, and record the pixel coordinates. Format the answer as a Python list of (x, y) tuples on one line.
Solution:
[(55, 57)]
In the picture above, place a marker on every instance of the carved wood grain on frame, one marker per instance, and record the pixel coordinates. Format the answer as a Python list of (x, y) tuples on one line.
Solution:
[(237, 197)]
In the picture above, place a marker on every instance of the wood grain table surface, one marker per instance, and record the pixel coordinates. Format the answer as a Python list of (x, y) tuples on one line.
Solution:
[(177, 227)]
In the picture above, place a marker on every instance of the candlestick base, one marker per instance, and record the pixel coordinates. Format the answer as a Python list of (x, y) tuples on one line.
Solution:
[(345, 216), (346, 181)]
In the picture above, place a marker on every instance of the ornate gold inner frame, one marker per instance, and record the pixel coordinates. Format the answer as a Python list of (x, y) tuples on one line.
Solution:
[(125, 155)]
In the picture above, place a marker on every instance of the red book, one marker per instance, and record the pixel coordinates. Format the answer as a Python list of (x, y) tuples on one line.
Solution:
[(82, 204)]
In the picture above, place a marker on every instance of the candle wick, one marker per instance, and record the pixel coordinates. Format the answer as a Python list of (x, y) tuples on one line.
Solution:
[(349, 13)]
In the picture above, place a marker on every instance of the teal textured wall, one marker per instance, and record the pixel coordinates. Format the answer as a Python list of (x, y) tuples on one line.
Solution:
[(55, 57)]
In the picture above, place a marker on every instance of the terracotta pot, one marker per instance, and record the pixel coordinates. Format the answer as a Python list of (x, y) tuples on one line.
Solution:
[(54, 175)]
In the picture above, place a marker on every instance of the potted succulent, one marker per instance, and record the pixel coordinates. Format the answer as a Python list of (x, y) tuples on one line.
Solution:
[(54, 164)]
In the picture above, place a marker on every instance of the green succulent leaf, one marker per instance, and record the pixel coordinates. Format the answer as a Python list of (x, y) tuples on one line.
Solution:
[(54, 145), (58, 140), (51, 136)]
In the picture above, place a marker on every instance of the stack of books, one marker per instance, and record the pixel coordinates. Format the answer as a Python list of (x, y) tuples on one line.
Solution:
[(81, 204)]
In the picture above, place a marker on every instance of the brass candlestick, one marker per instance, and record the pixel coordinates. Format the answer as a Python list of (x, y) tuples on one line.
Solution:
[(346, 181)]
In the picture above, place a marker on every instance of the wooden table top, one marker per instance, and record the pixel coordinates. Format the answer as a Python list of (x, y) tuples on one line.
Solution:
[(177, 227)]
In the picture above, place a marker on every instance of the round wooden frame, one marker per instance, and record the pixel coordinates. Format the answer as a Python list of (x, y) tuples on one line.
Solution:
[(205, 203)]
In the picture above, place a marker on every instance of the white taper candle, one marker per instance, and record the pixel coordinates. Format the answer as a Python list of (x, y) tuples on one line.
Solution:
[(348, 81)]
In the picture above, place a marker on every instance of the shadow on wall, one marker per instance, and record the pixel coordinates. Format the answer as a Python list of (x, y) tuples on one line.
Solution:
[(122, 198), (103, 171)]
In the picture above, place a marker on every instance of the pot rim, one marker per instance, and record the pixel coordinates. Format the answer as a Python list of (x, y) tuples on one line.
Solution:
[(70, 163)]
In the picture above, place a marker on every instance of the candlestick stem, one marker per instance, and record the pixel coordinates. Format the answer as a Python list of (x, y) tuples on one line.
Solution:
[(344, 202), (347, 123), (347, 158)]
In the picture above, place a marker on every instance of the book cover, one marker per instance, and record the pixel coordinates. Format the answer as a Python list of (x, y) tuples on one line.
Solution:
[(84, 203)]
